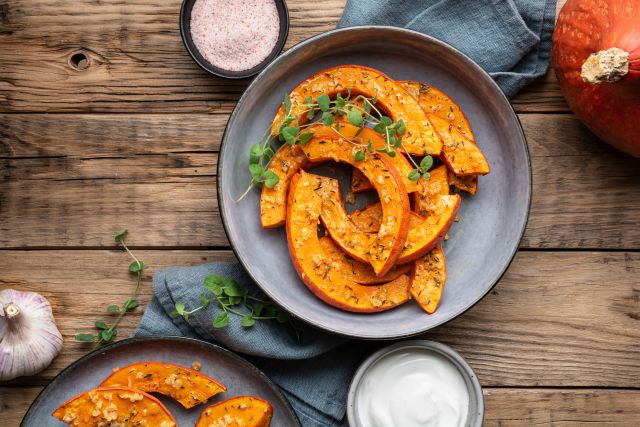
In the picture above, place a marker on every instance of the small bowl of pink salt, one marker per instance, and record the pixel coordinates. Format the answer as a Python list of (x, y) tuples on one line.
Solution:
[(234, 39)]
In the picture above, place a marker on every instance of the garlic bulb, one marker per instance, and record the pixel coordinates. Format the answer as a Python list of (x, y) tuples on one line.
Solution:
[(29, 338)]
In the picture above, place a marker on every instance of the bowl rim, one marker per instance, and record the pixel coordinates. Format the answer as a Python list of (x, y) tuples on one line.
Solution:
[(474, 419), (428, 39), (283, 14)]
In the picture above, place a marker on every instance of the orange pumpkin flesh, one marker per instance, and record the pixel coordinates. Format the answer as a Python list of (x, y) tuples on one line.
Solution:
[(354, 270), (285, 163), (419, 138), (306, 196), (436, 185), (383, 249), (464, 183), (120, 406), (359, 182), (241, 411), (428, 278), (424, 232), (188, 387)]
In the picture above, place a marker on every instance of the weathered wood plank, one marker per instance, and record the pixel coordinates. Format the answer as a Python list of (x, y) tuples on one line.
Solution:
[(556, 319), (137, 62), (504, 407), (68, 180)]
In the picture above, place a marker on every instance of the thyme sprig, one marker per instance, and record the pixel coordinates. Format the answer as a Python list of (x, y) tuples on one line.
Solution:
[(107, 332)]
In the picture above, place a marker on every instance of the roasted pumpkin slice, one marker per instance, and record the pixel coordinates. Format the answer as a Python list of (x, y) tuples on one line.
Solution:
[(187, 386), (241, 411), (306, 196), (359, 182), (119, 406), (462, 156), (285, 163), (357, 271), (424, 232), (382, 249), (464, 183), (436, 185), (434, 101), (420, 138), (427, 279)]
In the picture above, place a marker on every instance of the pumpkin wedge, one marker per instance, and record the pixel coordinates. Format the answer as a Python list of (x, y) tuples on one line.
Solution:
[(285, 163), (241, 411), (307, 194), (420, 138), (382, 249), (188, 387), (427, 279), (359, 182), (354, 270), (118, 406), (424, 232), (436, 185), (462, 156), (467, 183)]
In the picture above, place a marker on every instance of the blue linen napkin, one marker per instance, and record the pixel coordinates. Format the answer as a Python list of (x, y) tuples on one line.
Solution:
[(313, 369), (510, 39)]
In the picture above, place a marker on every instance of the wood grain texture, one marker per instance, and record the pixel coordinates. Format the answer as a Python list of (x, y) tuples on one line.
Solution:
[(504, 407), (92, 173), (136, 60), (556, 319)]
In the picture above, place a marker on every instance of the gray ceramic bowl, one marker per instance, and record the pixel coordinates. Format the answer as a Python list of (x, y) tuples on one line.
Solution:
[(476, 401), (480, 246), (239, 376)]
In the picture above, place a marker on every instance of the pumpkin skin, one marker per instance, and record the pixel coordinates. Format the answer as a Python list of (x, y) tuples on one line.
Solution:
[(241, 411), (188, 387), (304, 205), (610, 109), (118, 405)]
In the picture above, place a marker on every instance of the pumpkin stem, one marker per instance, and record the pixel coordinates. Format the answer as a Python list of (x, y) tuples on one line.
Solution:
[(605, 66)]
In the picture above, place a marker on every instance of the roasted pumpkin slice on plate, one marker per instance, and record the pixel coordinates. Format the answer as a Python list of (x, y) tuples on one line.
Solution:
[(427, 279), (434, 101), (382, 249), (307, 194), (468, 183), (359, 182), (424, 232), (357, 271), (188, 387), (285, 163), (436, 185), (419, 138), (461, 155), (119, 406), (241, 411)]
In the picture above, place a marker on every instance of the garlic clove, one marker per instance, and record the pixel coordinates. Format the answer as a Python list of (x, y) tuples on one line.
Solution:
[(29, 337)]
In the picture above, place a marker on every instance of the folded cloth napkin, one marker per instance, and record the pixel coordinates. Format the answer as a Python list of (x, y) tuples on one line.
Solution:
[(313, 368), (510, 39)]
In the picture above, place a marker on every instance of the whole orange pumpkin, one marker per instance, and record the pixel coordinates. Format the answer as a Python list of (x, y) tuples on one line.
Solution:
[(596, 56)]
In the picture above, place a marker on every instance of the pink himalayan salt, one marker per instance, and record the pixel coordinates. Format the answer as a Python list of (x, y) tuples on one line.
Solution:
[(235, 35)]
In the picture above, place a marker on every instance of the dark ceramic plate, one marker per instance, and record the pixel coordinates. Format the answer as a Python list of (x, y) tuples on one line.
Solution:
[(480, 246), (239, 376)]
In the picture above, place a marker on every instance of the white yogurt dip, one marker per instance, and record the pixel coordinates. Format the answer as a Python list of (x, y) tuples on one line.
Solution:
[(412, 387)]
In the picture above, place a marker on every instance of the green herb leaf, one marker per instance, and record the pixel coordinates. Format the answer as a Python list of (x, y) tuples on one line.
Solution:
[(327, 118), (255, 154), (355, 117), (340, 102), (289, 134), (312, 111), (113, 309), (359, 156), (221, 320), (400, 127), (282, 316), (205, 301), (180, 308), (271, 179), (235, 300), (101, 325), (214, 284), (305, 137), (267, 154), (232, 289), (256, 171), (324, 102), (86, 338), (257, 309), (426, 163), (370, 146), (247, 321), (391, 153), (426, 175), (120, 235), (130, 304), (414, 175), (107, 335), (367, 106), (136, 266), (287, 104)]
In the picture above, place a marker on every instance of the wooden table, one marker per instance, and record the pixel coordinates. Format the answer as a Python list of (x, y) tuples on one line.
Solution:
[(106, 123)]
